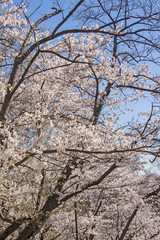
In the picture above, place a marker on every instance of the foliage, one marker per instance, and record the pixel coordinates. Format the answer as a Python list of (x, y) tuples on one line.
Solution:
[(70, 160)]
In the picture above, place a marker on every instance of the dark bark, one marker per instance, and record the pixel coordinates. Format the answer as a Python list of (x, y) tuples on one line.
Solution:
[(128, 224), (10, 229), (53, 202)]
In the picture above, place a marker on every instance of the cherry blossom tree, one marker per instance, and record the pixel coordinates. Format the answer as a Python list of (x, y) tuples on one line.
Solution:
[(70, 161), (139, 21)]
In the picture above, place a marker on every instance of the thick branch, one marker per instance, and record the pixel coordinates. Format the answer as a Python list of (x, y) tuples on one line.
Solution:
[(10, 93), (51, 203), (154, 193), (91, 184), (68, 16), (10, 229), (138, 88), (33, 28), (128, 223), (64, 32)]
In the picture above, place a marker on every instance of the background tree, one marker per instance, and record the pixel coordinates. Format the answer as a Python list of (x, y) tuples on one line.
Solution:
[(139, 27), (69, 164)]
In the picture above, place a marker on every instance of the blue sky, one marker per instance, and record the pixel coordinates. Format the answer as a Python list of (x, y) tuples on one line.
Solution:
[(51, 23), (46, 6)]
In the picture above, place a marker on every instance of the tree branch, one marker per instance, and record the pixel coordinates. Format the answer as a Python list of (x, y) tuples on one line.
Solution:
[(128, 223), (67, 17), (138, 88)]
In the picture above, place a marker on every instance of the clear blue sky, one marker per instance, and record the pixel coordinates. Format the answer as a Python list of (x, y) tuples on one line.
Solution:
[(51, 23), (46, 8)]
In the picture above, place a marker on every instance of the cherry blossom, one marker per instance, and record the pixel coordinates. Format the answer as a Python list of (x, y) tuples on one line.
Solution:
[(70, 168)]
